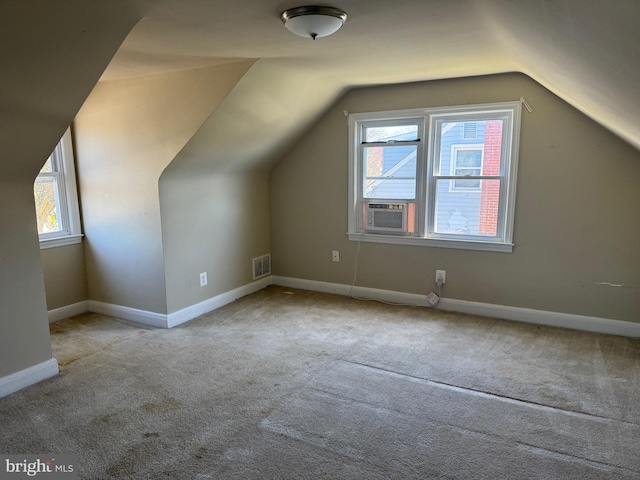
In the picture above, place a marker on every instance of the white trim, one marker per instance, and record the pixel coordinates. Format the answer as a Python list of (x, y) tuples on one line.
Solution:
[(431, 242), (194, 311), (70, 183), (60, 241), (313, 285), (161, 320), (68, 311), (527, 315), (29, 376), (63, 163), (543, 317), (145, 317), (360, 292)]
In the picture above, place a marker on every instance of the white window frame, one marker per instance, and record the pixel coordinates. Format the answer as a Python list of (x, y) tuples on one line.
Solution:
[(404, 121), (63, 173), (428, 162)]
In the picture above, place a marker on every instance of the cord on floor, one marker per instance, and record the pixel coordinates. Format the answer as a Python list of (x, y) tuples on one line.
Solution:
[(353, 283)]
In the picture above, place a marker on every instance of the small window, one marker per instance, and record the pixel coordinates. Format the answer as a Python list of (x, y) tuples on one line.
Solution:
[(466, 161), (56, 198), (446, 176)]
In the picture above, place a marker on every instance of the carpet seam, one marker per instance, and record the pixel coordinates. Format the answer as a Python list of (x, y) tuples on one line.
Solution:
[(492, 394)]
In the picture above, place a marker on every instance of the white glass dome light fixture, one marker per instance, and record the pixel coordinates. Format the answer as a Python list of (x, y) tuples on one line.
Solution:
[(313, 21)]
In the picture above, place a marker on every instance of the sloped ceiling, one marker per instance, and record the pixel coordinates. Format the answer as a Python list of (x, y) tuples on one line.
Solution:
[(585, 51)]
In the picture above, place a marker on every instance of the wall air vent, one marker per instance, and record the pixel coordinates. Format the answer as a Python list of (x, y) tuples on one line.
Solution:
[(262, 266)]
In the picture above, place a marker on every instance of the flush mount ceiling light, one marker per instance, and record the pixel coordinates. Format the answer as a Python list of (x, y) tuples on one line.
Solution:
[(313, 22)]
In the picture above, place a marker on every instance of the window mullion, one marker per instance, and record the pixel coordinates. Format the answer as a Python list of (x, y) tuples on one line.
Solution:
[(421, 177)]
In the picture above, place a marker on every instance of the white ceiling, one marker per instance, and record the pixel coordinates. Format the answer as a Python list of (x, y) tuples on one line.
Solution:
[(585, 51)]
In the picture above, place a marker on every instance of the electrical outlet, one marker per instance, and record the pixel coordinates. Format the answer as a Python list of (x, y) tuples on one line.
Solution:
[(203, 279), (335, 255), (441, 277)]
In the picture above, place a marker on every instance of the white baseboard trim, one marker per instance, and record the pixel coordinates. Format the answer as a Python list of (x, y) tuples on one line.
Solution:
[(145, 317), (346, 290), (543, 317), (68, 311), (540, 317), (161, 320), (24, 378), (194, 311)]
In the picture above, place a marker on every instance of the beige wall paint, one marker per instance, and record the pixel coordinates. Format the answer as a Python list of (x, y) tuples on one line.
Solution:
[(127, 132), (576, 224), (261, 118), (65, 276), (23, 311), (53, 54), (212, 222), (214, 195)]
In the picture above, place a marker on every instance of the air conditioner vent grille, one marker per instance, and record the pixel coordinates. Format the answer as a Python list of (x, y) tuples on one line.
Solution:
[(262, 266)]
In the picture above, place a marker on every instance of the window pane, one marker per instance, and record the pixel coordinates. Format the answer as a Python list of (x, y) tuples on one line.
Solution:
[(473, 213), (466, 184), (395, 132), (485, 150), (390, 172), (47, 167), (46, 197), (468, 158), (467, 172)]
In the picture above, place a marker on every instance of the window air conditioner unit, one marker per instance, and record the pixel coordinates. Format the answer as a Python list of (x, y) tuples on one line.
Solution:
[(388, 217)]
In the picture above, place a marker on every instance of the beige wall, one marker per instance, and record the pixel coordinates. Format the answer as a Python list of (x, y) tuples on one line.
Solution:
[(214, 195), (65, 276), (576, 222), (51, 60), (127, 132), (212, 222), (23, 311)]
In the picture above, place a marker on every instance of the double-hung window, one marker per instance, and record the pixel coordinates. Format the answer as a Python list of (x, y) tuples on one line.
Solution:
[(438, 177), (56, 198)]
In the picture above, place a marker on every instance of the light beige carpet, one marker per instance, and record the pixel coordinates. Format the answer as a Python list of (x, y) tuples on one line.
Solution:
[(294, 384)]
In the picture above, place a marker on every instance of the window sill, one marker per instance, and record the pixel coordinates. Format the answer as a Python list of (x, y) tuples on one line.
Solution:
[(429, 242), (60, 241)]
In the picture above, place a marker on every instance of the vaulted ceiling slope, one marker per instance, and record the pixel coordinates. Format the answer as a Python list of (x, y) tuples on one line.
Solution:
[(585, 51)]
